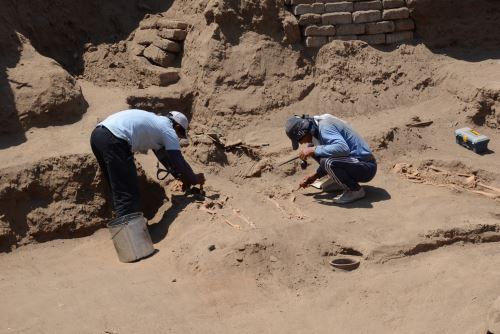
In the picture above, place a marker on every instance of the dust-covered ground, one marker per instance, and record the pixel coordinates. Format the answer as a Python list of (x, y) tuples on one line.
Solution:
[(426, 234)]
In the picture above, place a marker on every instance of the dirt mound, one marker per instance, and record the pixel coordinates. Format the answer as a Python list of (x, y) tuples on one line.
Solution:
[(61, 197), (42, 91), (354, 78)]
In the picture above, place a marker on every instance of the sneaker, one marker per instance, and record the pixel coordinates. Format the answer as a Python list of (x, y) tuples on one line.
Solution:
[(329, 185), (349, 196)]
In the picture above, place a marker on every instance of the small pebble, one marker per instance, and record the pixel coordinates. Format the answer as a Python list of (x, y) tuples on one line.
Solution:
[(174, 280), (211, 247), (273, 258)]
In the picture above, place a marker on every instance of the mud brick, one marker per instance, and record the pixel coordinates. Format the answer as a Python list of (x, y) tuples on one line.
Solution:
[(302, 2), (136, 49), (157, 75), (367, 5), (145, 37), (320, 30), (149, 23), (167, 45), (398, 37), (350, 29), (342, 38), (395, 14), (318, 8), (315, 8), (308, 19), (404, 24), (373, 39), (366, 16), (336, 18), (174, 34), (380, 27), (389, 4), (316, 41), (158, 56), (171, 24), (335, 7)]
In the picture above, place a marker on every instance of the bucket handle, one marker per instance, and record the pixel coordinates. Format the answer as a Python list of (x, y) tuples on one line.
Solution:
[(114, 235)]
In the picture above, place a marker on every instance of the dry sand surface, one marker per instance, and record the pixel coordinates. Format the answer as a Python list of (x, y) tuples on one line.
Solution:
[(426, 234)]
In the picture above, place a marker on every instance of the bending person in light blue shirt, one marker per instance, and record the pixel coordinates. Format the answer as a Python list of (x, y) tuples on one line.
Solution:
[(342, 153), (115, 140)]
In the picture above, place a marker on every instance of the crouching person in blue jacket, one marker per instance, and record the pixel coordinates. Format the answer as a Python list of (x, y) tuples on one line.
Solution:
[(115, 140), (342, 153)]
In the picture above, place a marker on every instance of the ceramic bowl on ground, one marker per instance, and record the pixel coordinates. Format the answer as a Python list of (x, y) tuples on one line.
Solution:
[(345, 263)]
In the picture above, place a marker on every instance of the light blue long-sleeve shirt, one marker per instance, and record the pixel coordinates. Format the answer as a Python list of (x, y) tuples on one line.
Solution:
[(338, 139)]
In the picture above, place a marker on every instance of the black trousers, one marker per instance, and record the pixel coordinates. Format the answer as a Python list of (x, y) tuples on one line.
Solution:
[(117, 165), (348, 172)]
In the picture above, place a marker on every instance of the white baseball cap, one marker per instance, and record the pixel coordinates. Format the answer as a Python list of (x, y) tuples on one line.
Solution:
[(180, 119)]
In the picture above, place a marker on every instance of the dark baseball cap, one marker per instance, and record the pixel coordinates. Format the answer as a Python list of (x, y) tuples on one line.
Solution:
[(297, 127)]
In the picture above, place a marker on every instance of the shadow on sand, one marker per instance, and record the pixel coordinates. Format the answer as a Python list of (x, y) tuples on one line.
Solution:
[(373, 195)]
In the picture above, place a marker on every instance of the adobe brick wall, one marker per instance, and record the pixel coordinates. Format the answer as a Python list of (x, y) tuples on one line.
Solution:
[(374, 21)]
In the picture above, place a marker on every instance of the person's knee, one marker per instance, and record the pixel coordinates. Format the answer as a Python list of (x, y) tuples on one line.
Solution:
[(323, 162)]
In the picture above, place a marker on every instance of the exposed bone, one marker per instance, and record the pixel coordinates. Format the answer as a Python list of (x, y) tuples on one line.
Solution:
[(484, 193), (489, 187), (242, 217), (278, 206)]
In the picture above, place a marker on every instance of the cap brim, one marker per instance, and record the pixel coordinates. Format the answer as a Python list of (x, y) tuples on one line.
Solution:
[(295, 144)]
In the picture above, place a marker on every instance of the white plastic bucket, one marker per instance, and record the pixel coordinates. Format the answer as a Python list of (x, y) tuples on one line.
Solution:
[(131, 237)]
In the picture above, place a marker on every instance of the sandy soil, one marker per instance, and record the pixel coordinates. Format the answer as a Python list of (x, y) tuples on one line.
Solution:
[(428, 244)]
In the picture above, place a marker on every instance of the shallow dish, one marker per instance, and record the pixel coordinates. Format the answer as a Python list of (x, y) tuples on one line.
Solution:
[(344, 263)]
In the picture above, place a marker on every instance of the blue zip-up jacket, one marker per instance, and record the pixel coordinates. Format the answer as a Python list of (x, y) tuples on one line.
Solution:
[(337, 139)]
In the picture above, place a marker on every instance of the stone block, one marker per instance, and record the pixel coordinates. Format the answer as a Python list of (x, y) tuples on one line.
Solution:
[(135, 49), (302, 2), (395, 14), (366, 16), (367, 5), (302, 9), (158, 56), (342, 38), (173, 34), (373, 39), (157, 75), (316, 41), (380, 27), (308, 19), (335, 7), (389, 4), (145, 37), (149, 23), (350, 29), (398, 37), (336, 18), (328, 30), (404, 24), (318, 8), (171, 24), (167, 45)]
